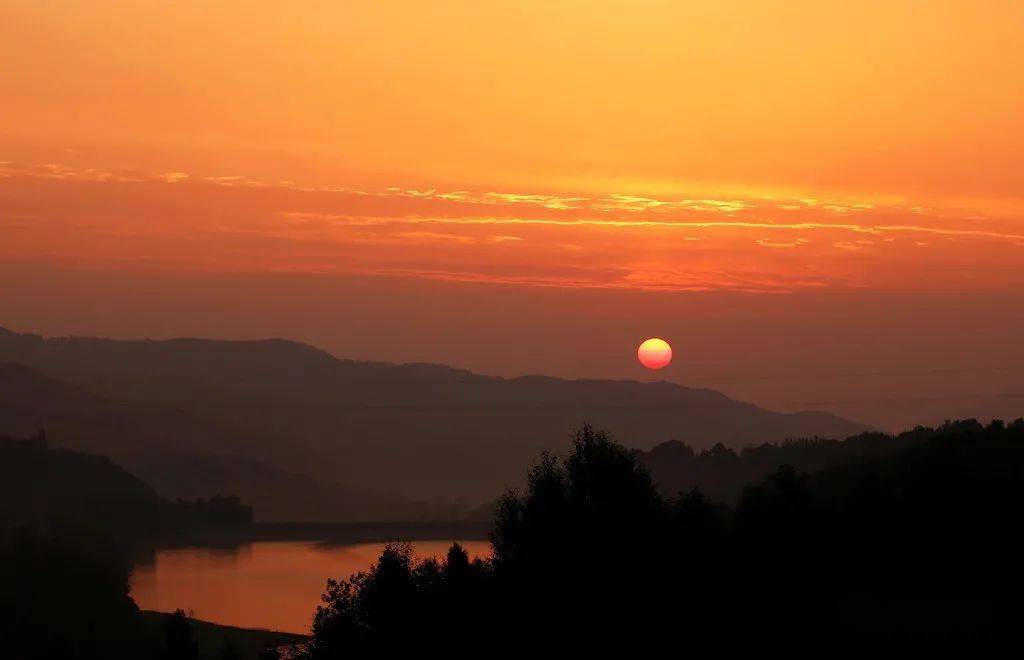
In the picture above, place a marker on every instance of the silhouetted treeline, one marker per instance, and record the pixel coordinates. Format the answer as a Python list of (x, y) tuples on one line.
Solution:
[(722, 473), (917, 544), (217, 511)]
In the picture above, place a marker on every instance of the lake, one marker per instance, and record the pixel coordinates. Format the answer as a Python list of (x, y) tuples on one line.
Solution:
[(272, 584)]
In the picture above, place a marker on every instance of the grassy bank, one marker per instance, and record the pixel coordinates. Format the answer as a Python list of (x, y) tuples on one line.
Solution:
[(213, 639)]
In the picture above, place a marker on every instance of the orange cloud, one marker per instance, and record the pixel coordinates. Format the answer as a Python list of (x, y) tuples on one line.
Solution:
[(135, 220)]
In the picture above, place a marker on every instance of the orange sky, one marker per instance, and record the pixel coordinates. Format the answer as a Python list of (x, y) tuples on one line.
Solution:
[(625, 149)]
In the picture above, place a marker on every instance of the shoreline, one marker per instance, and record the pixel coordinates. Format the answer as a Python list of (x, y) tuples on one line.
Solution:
[(329, 533)]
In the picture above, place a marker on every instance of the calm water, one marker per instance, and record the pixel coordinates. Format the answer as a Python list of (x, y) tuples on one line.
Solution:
[(265, 584)]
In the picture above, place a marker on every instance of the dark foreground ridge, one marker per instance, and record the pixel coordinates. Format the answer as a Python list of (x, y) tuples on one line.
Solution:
[(917, 546)]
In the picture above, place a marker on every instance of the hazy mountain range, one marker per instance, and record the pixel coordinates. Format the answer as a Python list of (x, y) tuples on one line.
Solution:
[(302, 434)]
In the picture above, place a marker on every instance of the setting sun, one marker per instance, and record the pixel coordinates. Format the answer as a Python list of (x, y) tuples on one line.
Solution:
[(654, 353)]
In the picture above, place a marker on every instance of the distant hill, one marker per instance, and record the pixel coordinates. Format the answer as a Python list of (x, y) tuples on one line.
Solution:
[(180, 456), (722, 473), (414, 430), (66, 491), (56, 488)]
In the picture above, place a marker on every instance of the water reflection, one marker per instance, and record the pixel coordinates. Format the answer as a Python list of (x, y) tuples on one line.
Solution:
[(275, 584)]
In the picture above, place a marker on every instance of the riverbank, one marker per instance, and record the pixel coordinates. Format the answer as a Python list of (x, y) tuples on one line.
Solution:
[(248, 643)]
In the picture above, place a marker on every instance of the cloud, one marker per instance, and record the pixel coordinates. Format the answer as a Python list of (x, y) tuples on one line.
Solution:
[(494, 198), (638, 280), (634, 203), (184, 220), (430, 236), (767, 242)]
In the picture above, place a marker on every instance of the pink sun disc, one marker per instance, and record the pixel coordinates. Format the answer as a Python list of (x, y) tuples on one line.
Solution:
[(654, 353)]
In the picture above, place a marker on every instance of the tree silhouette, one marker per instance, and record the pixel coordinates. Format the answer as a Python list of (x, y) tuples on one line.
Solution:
[(179, 644), (912, 543)]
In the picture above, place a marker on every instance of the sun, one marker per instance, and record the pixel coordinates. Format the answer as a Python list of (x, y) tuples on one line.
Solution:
[(654, 353)]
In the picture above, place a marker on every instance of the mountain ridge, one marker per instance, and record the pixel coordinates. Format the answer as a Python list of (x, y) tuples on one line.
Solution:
[(417, 430)]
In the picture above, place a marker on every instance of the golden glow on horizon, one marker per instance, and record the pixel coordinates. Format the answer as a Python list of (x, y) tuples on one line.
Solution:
[(654, 353)]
